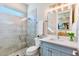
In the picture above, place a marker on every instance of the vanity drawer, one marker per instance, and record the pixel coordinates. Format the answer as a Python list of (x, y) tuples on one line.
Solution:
[(46, 51), (58, 53), (58, 47)]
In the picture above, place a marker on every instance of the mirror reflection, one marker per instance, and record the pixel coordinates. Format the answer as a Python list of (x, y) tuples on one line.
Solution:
[(52, 22)]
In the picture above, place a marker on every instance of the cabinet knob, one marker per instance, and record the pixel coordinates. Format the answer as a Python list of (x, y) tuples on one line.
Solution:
[(49, 50)]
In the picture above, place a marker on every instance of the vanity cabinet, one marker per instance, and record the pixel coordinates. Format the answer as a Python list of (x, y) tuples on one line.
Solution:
[(50, 49)]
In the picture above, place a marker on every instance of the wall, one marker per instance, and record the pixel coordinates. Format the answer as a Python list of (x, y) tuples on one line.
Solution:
[(41, 7)]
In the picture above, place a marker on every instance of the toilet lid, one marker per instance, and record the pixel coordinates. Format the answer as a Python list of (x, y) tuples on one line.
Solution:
[(33, 48)]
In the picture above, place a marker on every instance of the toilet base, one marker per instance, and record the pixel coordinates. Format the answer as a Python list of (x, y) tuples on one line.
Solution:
[(35, 54), (32, 51)]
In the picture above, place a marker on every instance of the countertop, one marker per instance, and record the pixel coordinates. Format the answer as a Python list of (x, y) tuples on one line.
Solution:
[(62, 42)]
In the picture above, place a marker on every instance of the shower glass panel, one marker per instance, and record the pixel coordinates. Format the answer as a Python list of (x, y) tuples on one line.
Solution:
[(10, 32)]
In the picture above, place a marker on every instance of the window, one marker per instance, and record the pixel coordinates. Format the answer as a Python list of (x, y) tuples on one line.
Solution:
[(10, 11)]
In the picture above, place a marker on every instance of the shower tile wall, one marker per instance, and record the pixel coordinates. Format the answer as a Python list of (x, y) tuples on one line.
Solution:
[(10, 34)]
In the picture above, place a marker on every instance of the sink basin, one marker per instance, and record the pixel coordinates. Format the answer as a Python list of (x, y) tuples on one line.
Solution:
[(42, 36)]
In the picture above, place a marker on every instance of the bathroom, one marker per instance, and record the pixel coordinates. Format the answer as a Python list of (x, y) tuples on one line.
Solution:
[(39, 29)]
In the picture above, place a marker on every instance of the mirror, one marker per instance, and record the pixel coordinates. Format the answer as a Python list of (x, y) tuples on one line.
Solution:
[(51, 17), (63, 21), (58, 23)]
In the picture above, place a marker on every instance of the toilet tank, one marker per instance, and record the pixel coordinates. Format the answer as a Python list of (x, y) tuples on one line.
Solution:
[(37, 42)]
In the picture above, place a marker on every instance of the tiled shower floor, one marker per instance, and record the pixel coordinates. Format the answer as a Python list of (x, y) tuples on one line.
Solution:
[(21, 52)]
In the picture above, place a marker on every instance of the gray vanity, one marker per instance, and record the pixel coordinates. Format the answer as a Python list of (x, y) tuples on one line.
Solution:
[(57, 48)]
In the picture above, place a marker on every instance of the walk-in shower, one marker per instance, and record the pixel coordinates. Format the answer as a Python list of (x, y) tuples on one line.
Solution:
[(12, 30)]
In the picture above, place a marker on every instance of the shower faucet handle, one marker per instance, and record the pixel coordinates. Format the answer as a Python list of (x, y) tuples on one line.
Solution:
[(38, 36)]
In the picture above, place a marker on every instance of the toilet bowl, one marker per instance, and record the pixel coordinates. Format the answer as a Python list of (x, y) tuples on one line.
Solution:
[(33, 50)]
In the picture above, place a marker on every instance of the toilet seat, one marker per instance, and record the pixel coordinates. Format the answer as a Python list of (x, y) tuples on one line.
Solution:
[(32, 48)]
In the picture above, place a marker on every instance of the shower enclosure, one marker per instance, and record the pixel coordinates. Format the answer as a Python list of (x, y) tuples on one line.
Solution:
[(12, 33)]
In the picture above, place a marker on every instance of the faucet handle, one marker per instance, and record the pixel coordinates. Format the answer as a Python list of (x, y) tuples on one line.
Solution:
[(37, 35)]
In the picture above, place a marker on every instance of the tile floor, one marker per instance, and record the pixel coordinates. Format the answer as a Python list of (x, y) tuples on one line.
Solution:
[(21, 52)]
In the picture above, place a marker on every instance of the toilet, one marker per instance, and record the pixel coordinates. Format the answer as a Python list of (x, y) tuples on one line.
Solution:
[(33, 50)]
